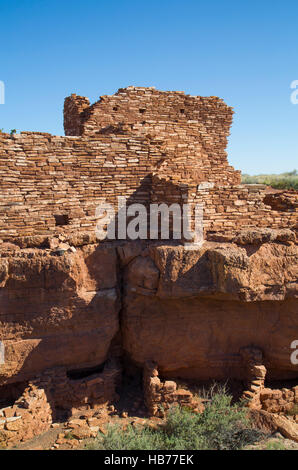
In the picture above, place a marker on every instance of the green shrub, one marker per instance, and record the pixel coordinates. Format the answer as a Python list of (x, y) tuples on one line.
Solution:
[(130, 438), (221, 426)]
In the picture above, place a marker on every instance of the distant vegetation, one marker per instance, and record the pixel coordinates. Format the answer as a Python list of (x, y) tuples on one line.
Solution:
[(283, 181)]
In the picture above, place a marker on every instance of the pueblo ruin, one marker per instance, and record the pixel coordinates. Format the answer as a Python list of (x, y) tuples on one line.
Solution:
[(79, 313)]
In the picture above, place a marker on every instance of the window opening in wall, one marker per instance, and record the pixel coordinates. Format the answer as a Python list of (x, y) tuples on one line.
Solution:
[(61, 219)]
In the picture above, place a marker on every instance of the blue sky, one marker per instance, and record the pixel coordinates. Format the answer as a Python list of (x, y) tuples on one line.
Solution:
[(246, 52)]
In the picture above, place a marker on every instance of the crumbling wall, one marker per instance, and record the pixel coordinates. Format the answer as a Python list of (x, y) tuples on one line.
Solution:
[(73, 107), (83, 393), (259, 397), (28, 417), (140, 143), (280, 401), (159, 396), (53, 184), (52, 392)]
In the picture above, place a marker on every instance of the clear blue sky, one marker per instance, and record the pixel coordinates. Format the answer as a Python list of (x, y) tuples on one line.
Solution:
[(246, 52)]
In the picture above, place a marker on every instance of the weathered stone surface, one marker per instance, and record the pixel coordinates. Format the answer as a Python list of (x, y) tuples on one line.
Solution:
[(259, 236), (145, 144), (271, 422), (142, 273), (57, 310), (209, 304), (189, 310)]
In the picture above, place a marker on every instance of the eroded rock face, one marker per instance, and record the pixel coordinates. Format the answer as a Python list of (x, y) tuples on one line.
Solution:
[(191, 311), (210, 303), (57, 310)]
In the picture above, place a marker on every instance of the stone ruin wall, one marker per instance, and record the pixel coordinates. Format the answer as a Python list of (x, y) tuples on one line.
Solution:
[(271, 409), (160, 395), (52, 395), (147, 145)]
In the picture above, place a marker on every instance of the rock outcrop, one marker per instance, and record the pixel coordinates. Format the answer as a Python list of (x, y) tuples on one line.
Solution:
[(57, 310), (191, 311)]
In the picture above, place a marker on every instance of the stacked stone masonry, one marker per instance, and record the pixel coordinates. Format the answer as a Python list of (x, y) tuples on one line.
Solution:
[(146, 145), (160, 396), (30, 415), (52, 393)]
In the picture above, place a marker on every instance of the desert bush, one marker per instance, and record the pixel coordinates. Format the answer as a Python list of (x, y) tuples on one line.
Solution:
[(221, 426), (128, 438)]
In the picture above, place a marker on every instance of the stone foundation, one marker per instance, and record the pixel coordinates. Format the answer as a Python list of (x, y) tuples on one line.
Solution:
[(279, 401), (160, 396)]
